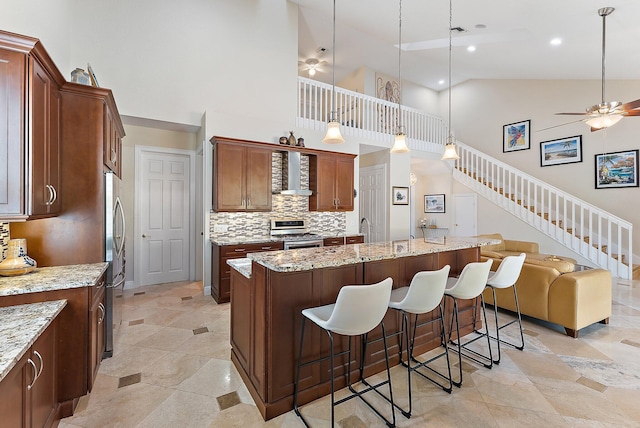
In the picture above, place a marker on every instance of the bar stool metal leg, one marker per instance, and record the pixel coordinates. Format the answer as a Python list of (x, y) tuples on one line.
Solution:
[(499, 327)]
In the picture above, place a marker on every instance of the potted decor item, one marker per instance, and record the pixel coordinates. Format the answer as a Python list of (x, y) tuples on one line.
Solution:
[(292, 139), (300, 142), (17, 261), (284, 140)]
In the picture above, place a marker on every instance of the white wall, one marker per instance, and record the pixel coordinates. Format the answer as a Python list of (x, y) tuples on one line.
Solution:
[(480, 108)]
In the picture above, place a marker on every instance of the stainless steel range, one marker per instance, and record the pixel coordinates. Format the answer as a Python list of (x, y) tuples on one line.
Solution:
[(294, 233)]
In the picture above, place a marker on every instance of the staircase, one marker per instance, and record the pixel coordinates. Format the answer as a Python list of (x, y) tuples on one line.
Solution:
[(595, 234)]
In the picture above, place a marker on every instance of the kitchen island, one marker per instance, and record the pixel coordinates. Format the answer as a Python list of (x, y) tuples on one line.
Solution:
[(267, 300)]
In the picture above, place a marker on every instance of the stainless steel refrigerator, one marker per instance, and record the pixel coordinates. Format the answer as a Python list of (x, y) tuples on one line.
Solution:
[(115, 230)]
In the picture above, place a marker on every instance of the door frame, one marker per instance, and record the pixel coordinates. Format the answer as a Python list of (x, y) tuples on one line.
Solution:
[(137, 201), (456, 198), (366, 171)]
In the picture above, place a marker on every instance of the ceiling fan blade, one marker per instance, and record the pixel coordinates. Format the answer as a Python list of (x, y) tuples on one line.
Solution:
[(575, 114), (632, 113), (631, 105), (562, 124)]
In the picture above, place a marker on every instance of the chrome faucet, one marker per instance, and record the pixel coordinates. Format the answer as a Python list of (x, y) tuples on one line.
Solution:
[(368, 234)]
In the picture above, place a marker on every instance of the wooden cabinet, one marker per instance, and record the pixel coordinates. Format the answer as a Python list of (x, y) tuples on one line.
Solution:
[(112, 140), (77, 343), (241, 176), (30, 111), (28, 393), (221, 271), (331, 181), (342, 240), (97, 330)]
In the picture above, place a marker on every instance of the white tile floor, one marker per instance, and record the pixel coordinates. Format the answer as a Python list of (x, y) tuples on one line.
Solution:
[(172, 368)]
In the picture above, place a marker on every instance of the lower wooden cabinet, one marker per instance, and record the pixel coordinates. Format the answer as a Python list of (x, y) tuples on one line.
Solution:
[(221, 271), (79, 345), (28, 393), (341, 240)]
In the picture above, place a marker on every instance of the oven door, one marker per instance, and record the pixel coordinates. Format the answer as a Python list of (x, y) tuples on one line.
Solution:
[(292, 245)]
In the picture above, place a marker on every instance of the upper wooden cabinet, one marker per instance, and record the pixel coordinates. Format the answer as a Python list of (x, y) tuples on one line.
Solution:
[(30, 109), (331, 181), (112, 139), (241, 175)]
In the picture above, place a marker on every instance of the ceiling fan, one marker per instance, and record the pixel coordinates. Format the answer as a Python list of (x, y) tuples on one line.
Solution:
[(606, 114), (312, 65)]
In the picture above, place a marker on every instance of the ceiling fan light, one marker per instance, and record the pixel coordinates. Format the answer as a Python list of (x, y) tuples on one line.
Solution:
[(400, 144), (600, 122), (312, 72), (333, 135)]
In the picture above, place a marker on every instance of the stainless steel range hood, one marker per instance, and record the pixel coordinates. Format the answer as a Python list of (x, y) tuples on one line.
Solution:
[(291, 173)]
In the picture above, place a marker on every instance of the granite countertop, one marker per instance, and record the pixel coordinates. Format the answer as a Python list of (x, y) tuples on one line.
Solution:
[(315, 258), (52, 278), (20, 327), (241, 265)]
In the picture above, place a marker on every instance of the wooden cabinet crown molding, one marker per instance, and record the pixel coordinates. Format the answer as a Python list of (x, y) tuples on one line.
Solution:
[(31, 46), (279, 147), (106, 95)]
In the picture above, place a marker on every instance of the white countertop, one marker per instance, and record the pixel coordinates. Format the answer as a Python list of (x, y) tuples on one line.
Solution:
[(20, 327), (316, 258), (52, 278)]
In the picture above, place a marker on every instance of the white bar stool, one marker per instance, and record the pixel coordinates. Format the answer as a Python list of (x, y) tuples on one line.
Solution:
[(357, 311), (506, 276), (469, 285), (424, 294)]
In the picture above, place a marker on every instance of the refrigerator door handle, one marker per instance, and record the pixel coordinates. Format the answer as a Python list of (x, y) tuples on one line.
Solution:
[(118, 207)]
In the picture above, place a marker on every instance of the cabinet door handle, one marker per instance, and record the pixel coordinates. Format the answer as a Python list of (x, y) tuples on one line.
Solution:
[(35, 373), (265, 248), (114, 156), (239, 250), (55, 194), (248, 202), (41, 364), (101, 307), (51, 197)]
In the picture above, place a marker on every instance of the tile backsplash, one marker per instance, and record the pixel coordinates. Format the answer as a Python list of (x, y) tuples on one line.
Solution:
[(290, 206), (4, 239)]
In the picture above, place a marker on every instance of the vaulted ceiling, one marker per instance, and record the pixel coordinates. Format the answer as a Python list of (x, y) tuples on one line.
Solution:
[(512, 39)]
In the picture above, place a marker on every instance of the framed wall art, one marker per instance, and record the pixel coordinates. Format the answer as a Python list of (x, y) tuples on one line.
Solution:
[(516, 136), (561, 151), (434, 203), (400, 195), (618, 169)]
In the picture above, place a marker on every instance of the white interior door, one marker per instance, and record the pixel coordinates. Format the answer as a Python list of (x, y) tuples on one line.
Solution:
[(373, 184), (465, 212), (163, 201)]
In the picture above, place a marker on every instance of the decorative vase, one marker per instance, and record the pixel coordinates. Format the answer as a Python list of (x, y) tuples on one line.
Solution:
[(17, 261), (284, 140), (300, 142), (292, 139)]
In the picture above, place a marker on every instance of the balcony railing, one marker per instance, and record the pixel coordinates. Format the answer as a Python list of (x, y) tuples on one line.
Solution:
[(367, 117)]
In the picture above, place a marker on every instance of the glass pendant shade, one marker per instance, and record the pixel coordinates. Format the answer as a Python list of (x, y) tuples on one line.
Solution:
[(450, 152), (333, 135), (605, 121), (400, 144)]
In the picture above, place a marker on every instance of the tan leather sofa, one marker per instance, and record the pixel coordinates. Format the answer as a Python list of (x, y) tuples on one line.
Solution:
[(549, 289)]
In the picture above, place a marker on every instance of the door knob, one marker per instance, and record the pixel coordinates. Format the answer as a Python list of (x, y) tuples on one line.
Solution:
[(146, 236)]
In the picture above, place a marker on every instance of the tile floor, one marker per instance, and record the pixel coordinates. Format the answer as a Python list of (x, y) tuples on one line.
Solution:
[(171, 368)]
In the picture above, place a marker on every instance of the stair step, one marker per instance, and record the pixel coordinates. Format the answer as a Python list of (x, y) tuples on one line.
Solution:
[(615, 257), (557, 223)]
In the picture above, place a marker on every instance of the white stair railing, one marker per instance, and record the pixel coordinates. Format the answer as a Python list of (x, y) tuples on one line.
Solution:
[(595, 234), (367, 117)]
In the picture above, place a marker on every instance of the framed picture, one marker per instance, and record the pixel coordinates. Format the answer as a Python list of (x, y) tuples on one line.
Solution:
[(516, 136), (434, 203), (561, 151), (94, 81), (400, 195), (618, 169)]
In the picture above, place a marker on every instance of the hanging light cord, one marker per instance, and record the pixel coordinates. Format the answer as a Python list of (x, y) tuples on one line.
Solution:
[(450, 26), (399, 69), (334, 113)]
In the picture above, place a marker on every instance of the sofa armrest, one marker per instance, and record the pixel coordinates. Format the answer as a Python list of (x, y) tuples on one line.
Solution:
[(579, 299), (521, 246)]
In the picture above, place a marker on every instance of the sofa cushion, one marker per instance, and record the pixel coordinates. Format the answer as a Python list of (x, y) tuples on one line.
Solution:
[(562, 266), (493, 247), (492, 254)]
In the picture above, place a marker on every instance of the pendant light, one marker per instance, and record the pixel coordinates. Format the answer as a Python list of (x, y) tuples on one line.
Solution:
[(333, 135), (400, 140), (450, 152)]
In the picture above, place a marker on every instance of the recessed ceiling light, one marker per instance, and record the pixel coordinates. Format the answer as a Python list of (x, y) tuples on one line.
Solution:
[(556, 41), (441, 82), (481, 26), (471, 48)]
